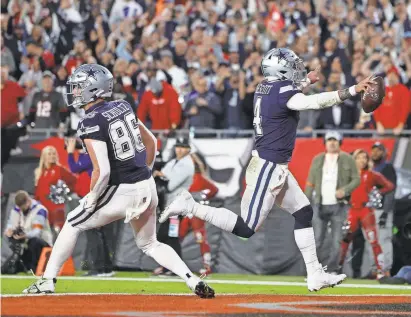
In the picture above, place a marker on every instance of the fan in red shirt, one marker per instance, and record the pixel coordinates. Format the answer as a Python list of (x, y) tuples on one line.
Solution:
[(160, 104), (200, 183), (360, 213), (393, 112), (47, 174), (11, 95)]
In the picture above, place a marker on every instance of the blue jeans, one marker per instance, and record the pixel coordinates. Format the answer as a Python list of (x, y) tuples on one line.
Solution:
[(405, 273)]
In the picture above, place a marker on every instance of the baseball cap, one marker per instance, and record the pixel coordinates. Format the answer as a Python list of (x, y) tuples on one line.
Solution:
[(183, 142), (155, 86), (166, 53), (333, 135), (48, 73), (378, 145)]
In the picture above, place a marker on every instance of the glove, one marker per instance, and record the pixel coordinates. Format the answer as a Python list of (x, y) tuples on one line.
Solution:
[(90, 202), (383, 220)]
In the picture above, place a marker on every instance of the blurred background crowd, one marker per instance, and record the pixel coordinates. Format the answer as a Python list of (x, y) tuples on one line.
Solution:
[(196, 64)]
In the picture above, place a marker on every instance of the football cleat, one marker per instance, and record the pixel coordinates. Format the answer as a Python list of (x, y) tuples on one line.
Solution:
[(200, 288), (41, 286), (183, 205), (321, 279)]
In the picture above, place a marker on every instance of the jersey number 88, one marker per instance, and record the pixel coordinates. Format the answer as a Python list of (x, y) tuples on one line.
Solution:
[(126, 138)]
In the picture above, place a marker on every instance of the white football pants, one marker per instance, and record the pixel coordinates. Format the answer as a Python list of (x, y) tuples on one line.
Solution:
[(268, 184)]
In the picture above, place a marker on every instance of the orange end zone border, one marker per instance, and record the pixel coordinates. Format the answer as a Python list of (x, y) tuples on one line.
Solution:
[(190, 305)]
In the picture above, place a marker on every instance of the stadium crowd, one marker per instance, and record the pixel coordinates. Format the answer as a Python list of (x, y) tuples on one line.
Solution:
[(197, 63)]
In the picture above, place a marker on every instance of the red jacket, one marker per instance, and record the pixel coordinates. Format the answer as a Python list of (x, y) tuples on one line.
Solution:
[(49, 177), (395, 108), (10, 95), (200, 183), (163, 111), (369, 179)]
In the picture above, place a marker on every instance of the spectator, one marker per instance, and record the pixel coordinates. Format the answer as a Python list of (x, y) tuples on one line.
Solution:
[(32, 73), (333, 176), (341, 116), (28, 223), (202, 184), (178, 173), (204, 108), (178, 75), (160, 105), (48, 109), (233, 96), (11, 95), (46, 174), (393, 112), (385, 215), (7, 57), (361, 212)]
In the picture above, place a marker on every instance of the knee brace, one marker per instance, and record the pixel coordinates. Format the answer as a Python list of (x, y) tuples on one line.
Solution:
[(241, 229), (303, 217)]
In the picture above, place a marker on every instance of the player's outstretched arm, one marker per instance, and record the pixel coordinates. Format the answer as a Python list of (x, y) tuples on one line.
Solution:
[(326, 99), (150, 142)]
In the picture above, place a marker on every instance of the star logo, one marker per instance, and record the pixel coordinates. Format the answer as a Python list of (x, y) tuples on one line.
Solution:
[(281, 56), (91, 73), (82, 129)]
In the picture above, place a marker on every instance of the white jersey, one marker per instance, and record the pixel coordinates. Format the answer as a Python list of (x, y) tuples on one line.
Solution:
[(35, 223)]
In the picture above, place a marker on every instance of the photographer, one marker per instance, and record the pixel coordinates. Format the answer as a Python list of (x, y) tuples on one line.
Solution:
[(99, 254), (178, 173), (28, 231)]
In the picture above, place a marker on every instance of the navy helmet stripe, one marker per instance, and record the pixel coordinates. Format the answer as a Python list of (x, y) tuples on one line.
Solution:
[(260, 177)]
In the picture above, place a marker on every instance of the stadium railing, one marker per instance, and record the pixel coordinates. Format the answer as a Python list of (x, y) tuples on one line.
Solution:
[(41, 134)]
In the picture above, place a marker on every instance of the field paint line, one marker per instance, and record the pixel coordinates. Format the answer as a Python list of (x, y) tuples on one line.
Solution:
[(211, 281), (188, 294)]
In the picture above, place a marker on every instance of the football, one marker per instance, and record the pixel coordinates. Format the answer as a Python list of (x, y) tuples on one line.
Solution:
[(372, 98)]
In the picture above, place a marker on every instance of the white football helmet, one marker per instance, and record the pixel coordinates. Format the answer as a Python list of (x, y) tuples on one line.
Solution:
[(87, 83), (283, 64)]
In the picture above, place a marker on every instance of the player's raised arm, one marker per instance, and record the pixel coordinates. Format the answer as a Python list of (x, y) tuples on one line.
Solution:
[(150, 142), (101, 171), (327, 99)]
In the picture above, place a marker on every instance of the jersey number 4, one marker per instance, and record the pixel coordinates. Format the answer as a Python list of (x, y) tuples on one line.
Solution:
[(126, 138), (257, 117)]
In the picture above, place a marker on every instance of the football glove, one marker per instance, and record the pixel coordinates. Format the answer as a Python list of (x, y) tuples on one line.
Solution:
[(90, 202)]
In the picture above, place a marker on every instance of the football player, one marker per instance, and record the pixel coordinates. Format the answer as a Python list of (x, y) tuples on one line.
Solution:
[(122, 151), (277, 102)]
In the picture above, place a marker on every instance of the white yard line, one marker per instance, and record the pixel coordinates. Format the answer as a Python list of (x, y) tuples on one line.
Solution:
[(211, 281), (188, 294)]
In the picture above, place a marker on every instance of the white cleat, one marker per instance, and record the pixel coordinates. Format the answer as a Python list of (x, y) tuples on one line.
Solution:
[(321, 279), (183, 205), (41, 286)]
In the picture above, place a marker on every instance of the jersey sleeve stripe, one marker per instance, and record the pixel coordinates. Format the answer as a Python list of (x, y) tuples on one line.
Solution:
[(285, 89)]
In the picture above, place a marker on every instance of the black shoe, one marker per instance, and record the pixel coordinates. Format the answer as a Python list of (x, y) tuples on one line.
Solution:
[(204, 291), (392, 280)]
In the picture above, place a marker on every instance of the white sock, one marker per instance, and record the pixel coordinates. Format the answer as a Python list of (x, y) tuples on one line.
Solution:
[(62, 250), (306, 243), (168, 258), (220, 217)]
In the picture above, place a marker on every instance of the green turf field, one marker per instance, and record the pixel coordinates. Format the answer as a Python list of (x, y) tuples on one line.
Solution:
[(144, 283)]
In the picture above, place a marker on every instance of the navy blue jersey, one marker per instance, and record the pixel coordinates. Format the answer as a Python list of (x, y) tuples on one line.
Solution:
[(275, 125), (116, 124)]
